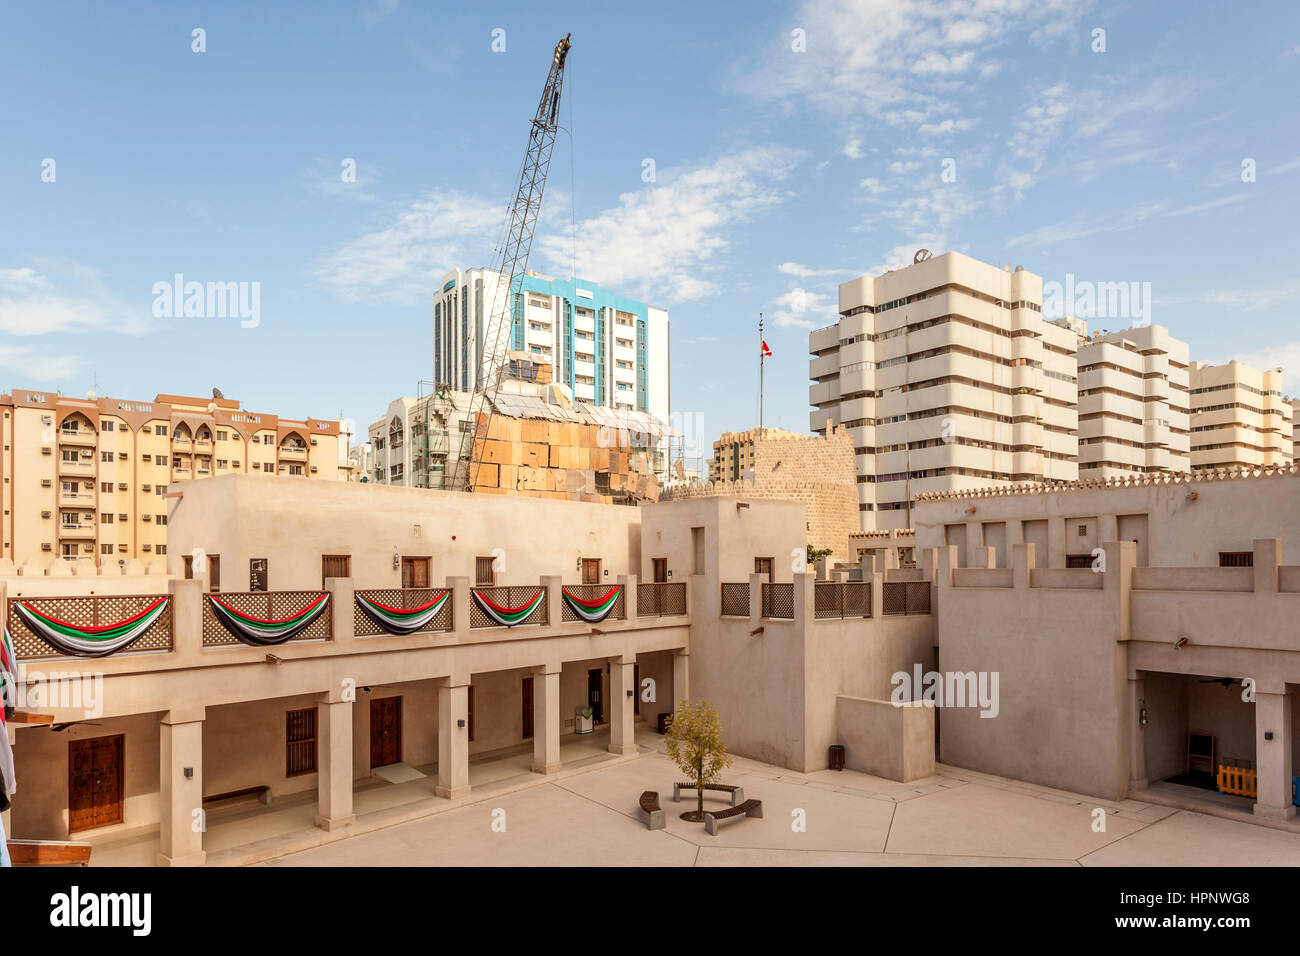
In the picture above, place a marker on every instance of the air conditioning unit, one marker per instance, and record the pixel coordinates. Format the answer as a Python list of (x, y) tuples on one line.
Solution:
[(46, 514), (146, 488), (46, 450), (122, 517), (314, 468), (315, 442), (87, 453), (147, 517), (88, 516), (121, 456), (236, 463), (121, 547), (121, 486), (47, 420), (147, 547), (45, 482), (46, 546)]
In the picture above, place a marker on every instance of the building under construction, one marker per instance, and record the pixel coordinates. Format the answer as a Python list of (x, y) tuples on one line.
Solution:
[(538, 442)]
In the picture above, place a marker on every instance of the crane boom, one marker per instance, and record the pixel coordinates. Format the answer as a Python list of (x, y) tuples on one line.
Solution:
[(512, 262)]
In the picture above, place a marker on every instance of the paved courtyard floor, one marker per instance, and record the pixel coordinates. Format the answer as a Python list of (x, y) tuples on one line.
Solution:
[(955, 818)]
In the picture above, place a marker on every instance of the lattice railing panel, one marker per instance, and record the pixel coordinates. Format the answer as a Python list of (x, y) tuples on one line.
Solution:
[(592, 592), (268, 605), (735, 599), (90, 611), (405, 599)]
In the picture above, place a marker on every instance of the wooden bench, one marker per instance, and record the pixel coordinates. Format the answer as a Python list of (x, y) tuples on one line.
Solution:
[(263, 793), (49, 853), (750, 808), (737, 793), (654, 817)]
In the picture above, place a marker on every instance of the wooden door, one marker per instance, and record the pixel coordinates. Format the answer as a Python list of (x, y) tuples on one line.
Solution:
[(415, 572), (594, 697), (661, 571), (385, 731), (214, 573), (591, 570), (528, 707), (334, 566), (95, 770)]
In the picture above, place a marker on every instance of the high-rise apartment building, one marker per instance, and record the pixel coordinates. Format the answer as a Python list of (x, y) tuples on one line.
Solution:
[(608, 350), (1133, 401), (1239, 417), (947, 377), (86, 477)]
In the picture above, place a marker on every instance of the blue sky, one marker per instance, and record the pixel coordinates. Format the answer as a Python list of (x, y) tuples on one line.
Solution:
[(779, 173)]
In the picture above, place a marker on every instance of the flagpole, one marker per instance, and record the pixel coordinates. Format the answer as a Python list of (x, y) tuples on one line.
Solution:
[(761, 354)]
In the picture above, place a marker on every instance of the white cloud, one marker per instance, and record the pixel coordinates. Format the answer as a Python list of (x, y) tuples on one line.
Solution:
[(373, 13), (800, 309), (873, 186), (1284, 167), (661, 240), (33, 304), (402, 261), (36, 365), (853, 149), (664, 239), (808, 272)]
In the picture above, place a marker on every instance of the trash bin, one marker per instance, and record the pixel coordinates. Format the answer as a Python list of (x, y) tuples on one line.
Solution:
[(836, 757), (662, 726)]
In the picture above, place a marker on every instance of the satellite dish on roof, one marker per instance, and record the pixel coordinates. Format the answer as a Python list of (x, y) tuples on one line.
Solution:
[(921, 256)]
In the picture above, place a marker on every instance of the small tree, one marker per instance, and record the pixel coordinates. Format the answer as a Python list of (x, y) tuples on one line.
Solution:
[(695, 745)]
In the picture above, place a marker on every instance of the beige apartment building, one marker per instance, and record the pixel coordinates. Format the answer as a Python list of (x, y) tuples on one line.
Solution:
[(947, 377), (85, 478), (1133, 401), (1239, 417)]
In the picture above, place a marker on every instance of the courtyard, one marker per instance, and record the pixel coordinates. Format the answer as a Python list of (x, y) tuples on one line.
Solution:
[(955, 818)]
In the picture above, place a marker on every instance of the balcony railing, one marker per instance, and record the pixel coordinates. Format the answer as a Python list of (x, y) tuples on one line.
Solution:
[(906, 597), (267, 606), (778, 601), (79, 532), (835, 600), (592, 592), (661, 599), (508, 598), (404, 599), (86, 612), (735, 599)]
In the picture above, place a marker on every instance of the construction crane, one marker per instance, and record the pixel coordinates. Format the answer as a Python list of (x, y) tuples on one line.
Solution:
[(512, 262)]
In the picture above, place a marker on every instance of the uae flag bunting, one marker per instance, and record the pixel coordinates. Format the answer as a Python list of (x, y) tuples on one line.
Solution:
[(593, 612), (261, 632), (509, 616), (90, 641), (397, 620), (8, 677)]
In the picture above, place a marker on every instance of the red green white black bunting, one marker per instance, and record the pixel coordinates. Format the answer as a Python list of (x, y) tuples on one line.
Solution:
[(261, 632), (396, 620), (90, 641), (593, 612), (8, 677), (509, 616)]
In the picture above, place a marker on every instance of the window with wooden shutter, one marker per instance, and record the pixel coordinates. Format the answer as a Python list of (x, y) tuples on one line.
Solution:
[(484, 576), (300, 741)]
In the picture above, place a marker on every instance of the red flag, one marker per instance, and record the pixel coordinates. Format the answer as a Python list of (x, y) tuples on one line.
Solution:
[(766, 351)]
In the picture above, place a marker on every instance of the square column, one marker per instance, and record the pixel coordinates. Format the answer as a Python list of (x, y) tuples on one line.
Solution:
[(453, 738), (681, 678), (622, 685), (334, 765), (181, 819), (546, 719), (1273, 757)]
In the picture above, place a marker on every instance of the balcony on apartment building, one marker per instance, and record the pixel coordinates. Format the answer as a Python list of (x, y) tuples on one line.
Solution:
[(76, 499), (80, 437), (84, 531), (83, 464), (290, 451)]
